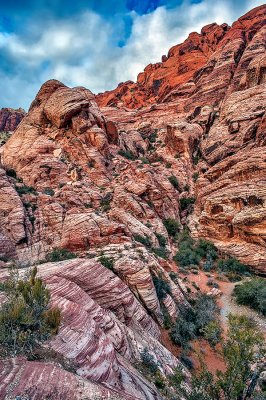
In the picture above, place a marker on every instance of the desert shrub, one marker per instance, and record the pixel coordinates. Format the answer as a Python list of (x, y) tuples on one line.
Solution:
[(232, 267), (107, 262), (161, 252), (162, 287), (252, 293), (191, 253), (167, 321), (25, 190), (195, 176), (127, 154), (212, 332), (91, 163), (174, 182), (145, 240), (12, 173), (186, 361), (242, 351), (208, 264), (161, 239), (26, 318), (159, 381), (186, 203), (148, 360), (168, 165), (58, 254), (184, 329), (172, 226), (186, 188), (49, 191), (173, 275), (191, 321), (152, 137), (206, 311), (206, 248), (105, 202), (186, 256), (144, 160)]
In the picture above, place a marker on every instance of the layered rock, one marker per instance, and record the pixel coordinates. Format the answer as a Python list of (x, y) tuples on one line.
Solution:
[(102, 182), (41, 380), (200, 69), (104, 329), (10, 118)]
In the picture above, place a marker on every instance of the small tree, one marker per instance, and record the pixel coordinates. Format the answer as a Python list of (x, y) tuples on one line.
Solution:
[(243, 348), (26, 318)]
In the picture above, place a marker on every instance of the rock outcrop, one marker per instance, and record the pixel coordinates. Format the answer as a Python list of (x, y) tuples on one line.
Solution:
[(10, 118), (101, 177)]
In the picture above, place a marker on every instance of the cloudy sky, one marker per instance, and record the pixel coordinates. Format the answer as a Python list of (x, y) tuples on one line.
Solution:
[(94, 43)]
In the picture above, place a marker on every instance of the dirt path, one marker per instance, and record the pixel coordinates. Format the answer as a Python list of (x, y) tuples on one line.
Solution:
[(226, 300), (228, 305)]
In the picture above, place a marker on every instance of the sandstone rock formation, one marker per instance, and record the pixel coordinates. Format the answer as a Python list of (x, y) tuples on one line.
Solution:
[(100, 176), (10, 118)]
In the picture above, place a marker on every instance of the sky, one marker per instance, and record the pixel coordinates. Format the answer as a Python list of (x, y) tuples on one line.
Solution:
[(94, 43)]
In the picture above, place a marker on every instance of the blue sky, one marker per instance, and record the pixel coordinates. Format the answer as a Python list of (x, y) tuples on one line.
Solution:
[(94, 43)]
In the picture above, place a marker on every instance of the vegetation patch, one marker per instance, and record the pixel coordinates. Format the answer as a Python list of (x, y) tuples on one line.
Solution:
[(172, 226), (58, 254), (107, 262), (252, 293), (162, 287), (145, 240), (127, 154), (174, 182), (26, 319), (25, 190)]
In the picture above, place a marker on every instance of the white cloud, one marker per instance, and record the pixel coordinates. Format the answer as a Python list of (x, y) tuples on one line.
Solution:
[(80, 51)]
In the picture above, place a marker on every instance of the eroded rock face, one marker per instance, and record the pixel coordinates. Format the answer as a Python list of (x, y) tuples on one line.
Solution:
[(101, 182), (39, 380), (10, 118), (200, 69), (104, 329)]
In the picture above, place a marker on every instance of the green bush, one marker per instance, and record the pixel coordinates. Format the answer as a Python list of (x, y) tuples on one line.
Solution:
[(187, 256), (252, 293), (105, 202), (58, 254), (127, 154), (26, 318), (49, 191), (186, 202), (212, 333), (184, 329), (195, 176), (161, 252), (107, 262), (12, 173), (191, 321), (232, 265), (206, 248), (25, 190), (162, 287), (172, 226), (168, 165), (148, 360), (145, 240), (152, 137), (174, 182), (161, 239)]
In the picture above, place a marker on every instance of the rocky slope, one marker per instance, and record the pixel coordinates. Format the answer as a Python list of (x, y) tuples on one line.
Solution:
[(102, 182)]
